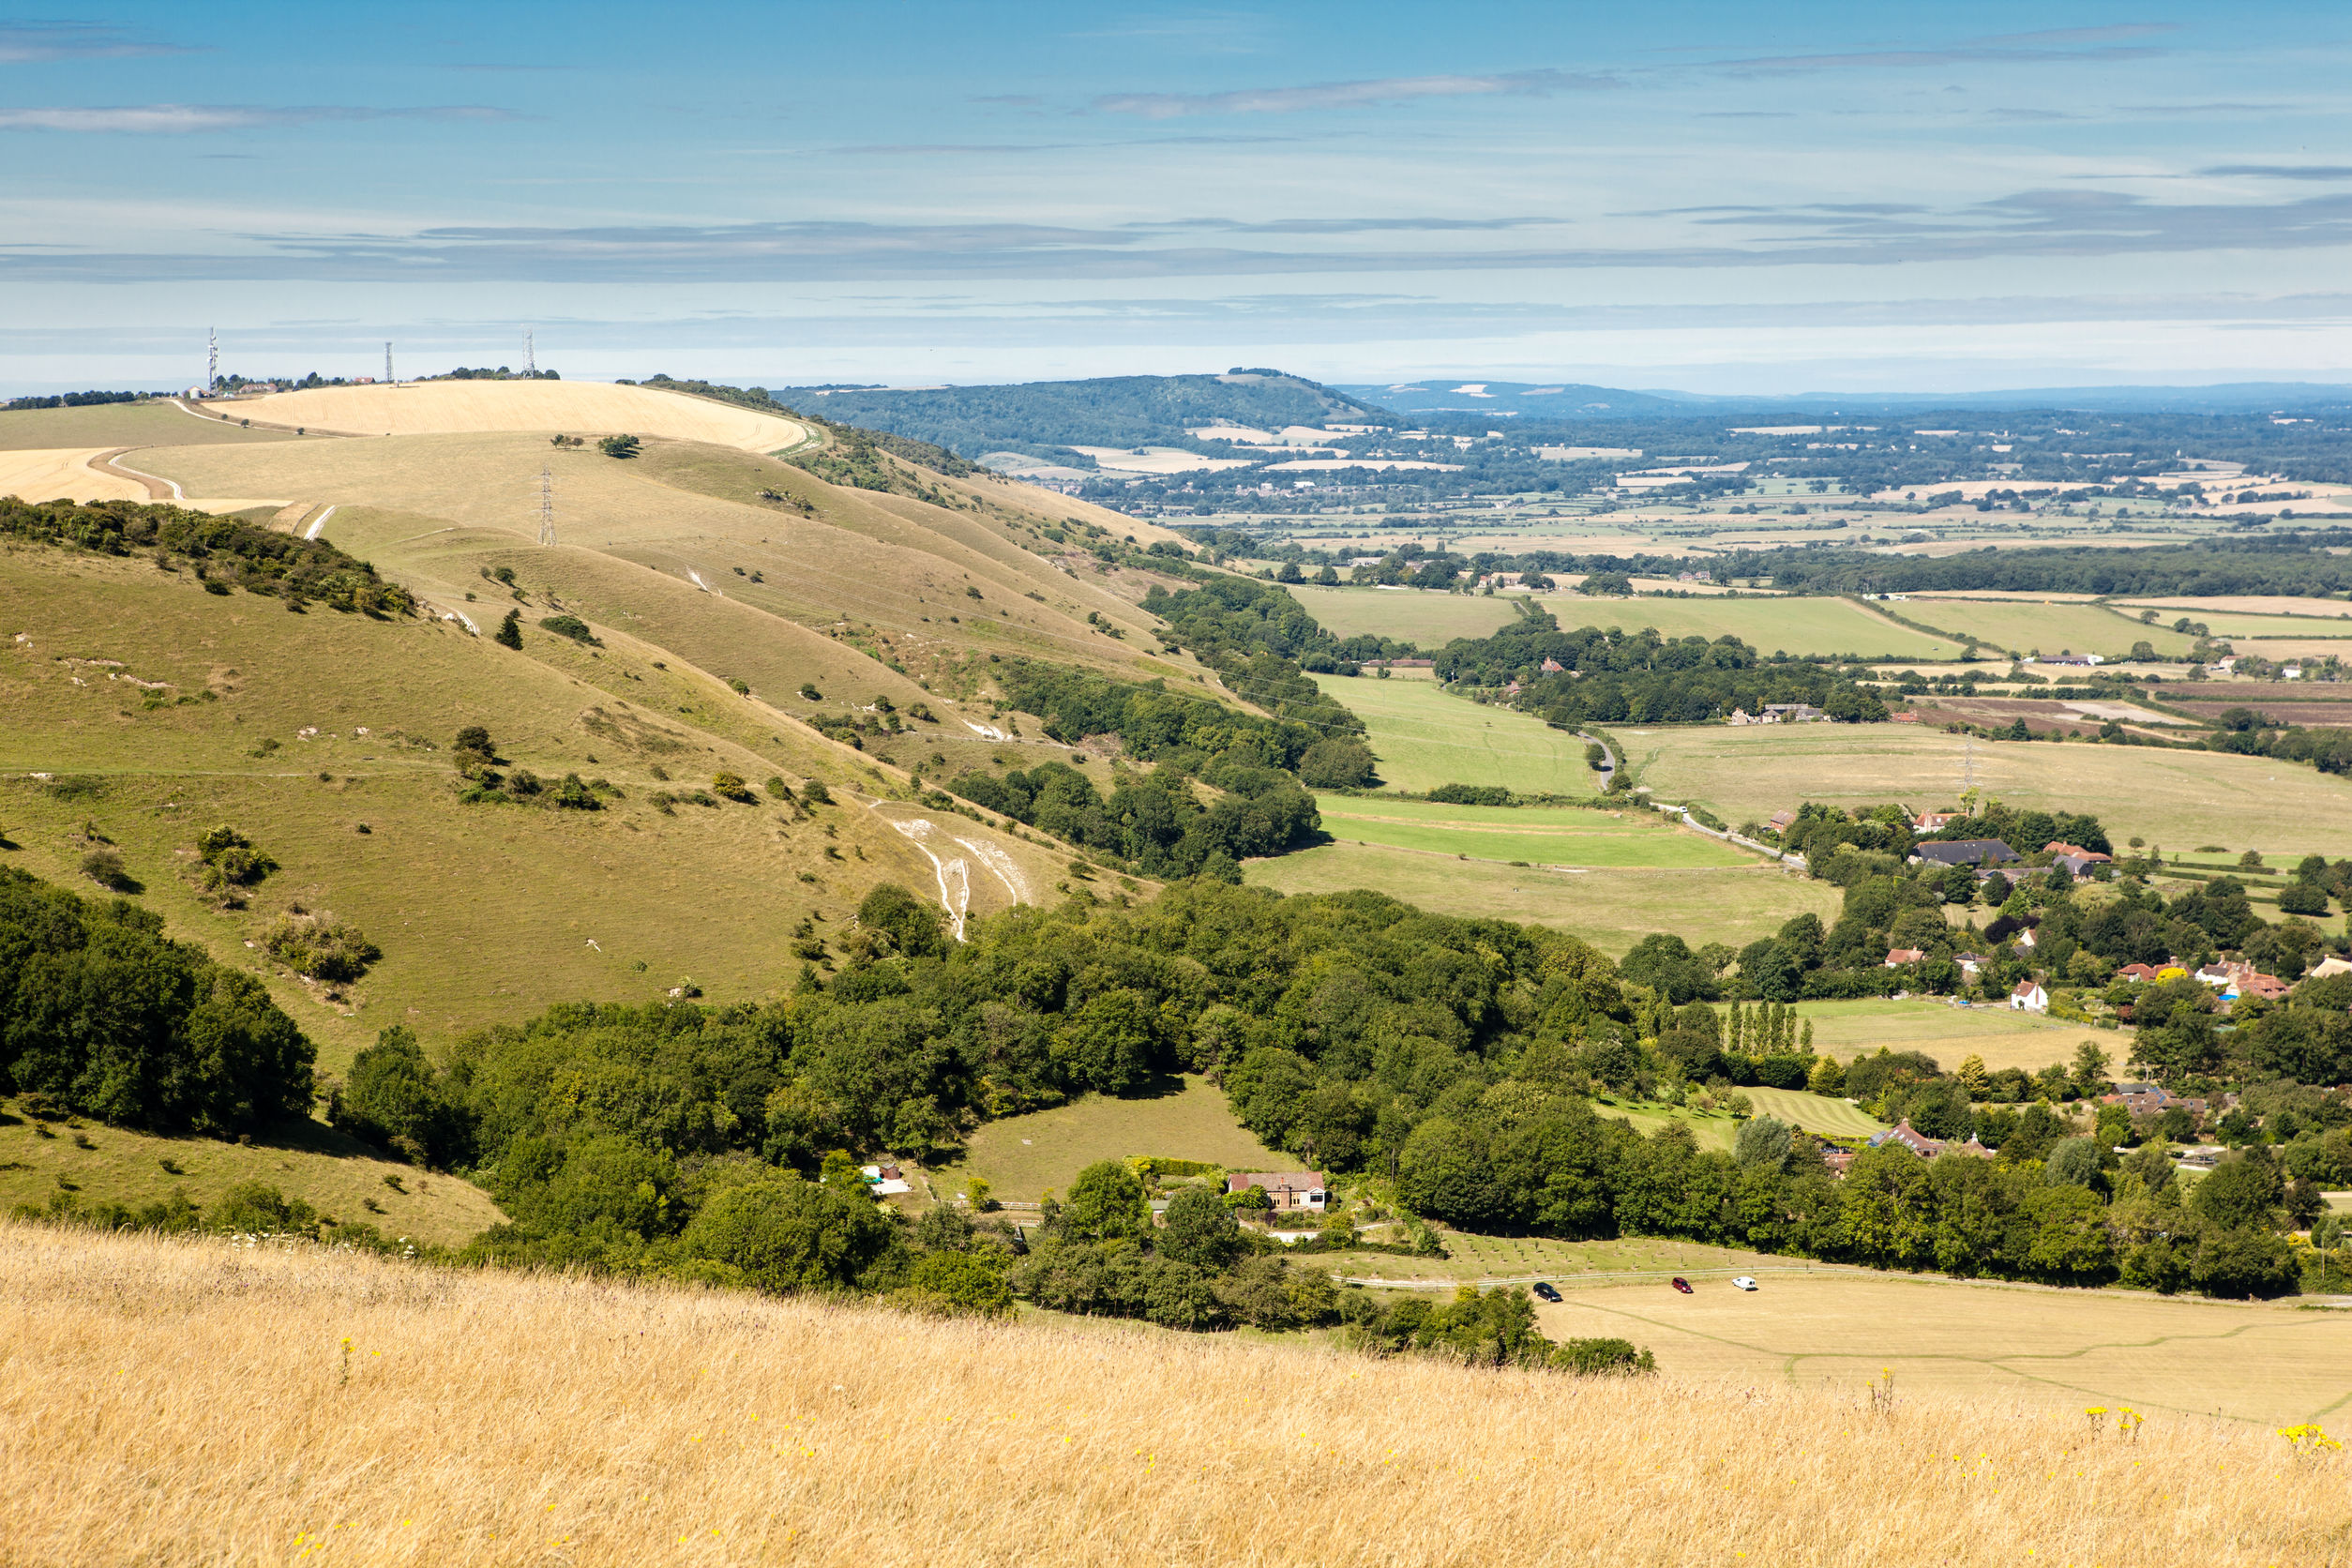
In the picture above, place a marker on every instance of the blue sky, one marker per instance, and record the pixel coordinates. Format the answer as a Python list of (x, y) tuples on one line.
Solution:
[(1706, 196)]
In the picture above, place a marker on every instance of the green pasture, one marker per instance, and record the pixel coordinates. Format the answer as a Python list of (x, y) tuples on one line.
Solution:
[(1556, 835), (2003, 1037), (1423, 738), (1783, 624), (1021, 1157), (2049, 628), (1419, 615)]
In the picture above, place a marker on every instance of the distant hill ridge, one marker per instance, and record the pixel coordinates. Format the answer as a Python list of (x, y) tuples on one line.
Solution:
[(1045, 418)]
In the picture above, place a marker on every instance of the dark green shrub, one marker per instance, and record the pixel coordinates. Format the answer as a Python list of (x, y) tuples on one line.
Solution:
[(321, 946), (571, 626)]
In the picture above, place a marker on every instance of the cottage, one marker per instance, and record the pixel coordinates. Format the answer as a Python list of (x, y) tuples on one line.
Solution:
[(1967, 851), (1898, 956), (1918, 1142), (1934, 822), (2141, 974), (1781, 822), (1286, 1189), (1553, 667), (1791, 713), (1970, 963), (2328, 968), (2028, 997)]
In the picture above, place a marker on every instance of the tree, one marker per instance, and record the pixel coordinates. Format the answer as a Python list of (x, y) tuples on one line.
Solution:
[(2073, 1163), (912, 926), (957, 1285), (1106, 1201), (393, 1099), (1762, 1143), (782, 1233), (1200, 1230), (2240, 1193), (619, 446), (1336, 763), (509, 632)]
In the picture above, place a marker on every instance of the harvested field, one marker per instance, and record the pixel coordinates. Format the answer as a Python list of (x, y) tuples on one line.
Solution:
[(579, 407), (2170, 797), (179, 1401), (1611, 909), (2242, 604), (2315, 713), (2049, 627), (2041, 717), (105, 424), (1768, 623), (64, 474)]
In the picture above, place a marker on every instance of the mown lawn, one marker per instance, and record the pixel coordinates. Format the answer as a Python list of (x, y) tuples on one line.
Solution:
[(1021, 1157)]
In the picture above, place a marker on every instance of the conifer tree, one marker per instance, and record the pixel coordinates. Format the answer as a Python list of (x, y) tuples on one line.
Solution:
[(509, 633)]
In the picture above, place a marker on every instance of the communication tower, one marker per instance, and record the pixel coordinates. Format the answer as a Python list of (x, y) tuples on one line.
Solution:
[(387, 364), (530, 359), (547, 506), (212, 359)]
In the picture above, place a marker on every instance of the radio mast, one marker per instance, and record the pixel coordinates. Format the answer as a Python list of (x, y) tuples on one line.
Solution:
[(547, 506), (212, 359), (530, 359), (387, 364)]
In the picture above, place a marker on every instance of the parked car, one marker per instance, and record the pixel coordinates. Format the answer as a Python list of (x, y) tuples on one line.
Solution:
[(1545, 1292), (1743, 1283), (1682, 1285)]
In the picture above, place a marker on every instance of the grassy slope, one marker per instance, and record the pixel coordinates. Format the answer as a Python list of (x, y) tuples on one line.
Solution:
[(1424, 738), (2172, 798), (334, 1174), (1022, 1156), (592, 1424), (123, 424), (483, 912), (1610, 909), (1564, 836)]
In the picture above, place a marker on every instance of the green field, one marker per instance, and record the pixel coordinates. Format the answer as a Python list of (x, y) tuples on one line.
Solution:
[(1611, 909), (2175, 799), (1791, 625), (1022, 1157), (336, 1175), (1547, 836), (1424, 738), (1814, 1113), (2049, 628), (1419, 615)]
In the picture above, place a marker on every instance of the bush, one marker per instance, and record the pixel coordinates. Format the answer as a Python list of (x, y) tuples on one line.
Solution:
[(571, 626), (231, 860), (260, 1209), (619, 446), (321, 946), (781, 1233), (1470, 794), (104, 866), (957, 1285), (732, 786)]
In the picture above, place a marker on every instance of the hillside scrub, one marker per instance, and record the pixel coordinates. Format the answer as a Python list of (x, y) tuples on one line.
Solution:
[(101, 1016), (220, 551)]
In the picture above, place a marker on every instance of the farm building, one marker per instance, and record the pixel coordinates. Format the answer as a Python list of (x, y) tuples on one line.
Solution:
[(1967, 851), (1286, 1189)]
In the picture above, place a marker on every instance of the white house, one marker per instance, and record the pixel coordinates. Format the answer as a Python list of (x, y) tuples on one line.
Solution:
[(2029, 997)]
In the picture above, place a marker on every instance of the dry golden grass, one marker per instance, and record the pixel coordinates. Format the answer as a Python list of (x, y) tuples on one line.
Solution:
[(583, 407), (184, 1403)]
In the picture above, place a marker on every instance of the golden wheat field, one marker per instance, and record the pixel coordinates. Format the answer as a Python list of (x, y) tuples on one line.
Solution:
[(426, 408), (175, 1402)]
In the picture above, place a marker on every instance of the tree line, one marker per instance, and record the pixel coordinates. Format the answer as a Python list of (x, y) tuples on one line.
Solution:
[(221, 552)]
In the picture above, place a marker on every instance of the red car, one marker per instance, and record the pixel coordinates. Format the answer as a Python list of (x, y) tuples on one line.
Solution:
[(1682, 1285)]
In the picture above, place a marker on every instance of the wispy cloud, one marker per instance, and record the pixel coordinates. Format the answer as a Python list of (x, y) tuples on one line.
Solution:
[(34, 42), (1351, 95), (182, 119), (2073, 45), (2327, 171)]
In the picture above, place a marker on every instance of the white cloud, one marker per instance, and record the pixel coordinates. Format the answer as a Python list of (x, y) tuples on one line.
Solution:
[(1349, 95), (180, 119)]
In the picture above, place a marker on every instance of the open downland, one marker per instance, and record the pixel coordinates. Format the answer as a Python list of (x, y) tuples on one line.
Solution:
[(1545, 836), (1611, 909), (2269, 1364), (109, 425), (336, 1175), (1424, 738), (425, 408), (2176, 799), (1022, 1157), (586, 1421), (485, 913), (2003, 1037)]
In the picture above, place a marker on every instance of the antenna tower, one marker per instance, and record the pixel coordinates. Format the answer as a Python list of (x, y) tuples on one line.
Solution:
[(387, 364), (212, 359), (530, 359), (547, 506), (1967, 767)]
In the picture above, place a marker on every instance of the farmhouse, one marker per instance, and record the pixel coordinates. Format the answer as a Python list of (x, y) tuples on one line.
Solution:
[(2028, 997), (1287, 1189), (1898, 956), (1927, 1148), (1780, 822), (1967, 851), (1934, 822)]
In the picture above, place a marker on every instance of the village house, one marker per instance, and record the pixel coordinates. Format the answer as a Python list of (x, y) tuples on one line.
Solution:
[(1970, 963), (1791, 713), (1934, 822), (2065, 659), (2147, 975), (1286, 1189), (1898, 956), (1967, 851), (1928, 1148), (1781, 822), (2028, 997)]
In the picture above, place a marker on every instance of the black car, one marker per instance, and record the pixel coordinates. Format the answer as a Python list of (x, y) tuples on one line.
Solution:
[(1543, 1291)]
